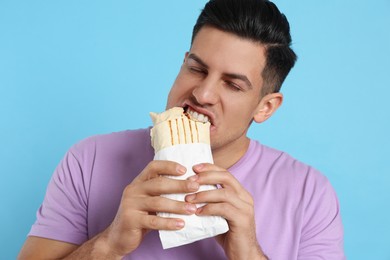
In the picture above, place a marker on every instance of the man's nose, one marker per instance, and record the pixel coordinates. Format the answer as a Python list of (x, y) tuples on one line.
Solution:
[(206, 92)]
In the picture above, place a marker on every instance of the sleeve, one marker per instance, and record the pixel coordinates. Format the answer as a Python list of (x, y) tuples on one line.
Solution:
[(63, 213), (322, 231)]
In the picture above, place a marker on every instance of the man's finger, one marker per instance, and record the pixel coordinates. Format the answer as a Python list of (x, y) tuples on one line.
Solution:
[(165, 185), (157, 168), (158, 223), (209, 175), (161, 204)]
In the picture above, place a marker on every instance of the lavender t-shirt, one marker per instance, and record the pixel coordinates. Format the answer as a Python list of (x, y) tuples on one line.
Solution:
[(296, 210)]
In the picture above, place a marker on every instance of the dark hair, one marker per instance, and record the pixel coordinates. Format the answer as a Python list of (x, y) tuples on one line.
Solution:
[(259, 21)]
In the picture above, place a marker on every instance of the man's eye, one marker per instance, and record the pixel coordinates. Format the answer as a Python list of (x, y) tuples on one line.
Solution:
[(233, 86), (197, 70)]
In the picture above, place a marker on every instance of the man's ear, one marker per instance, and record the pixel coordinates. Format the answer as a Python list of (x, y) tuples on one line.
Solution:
[(267, 106)]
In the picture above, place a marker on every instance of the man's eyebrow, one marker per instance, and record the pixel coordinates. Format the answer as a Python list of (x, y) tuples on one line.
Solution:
[(239, 77), (198, 60)]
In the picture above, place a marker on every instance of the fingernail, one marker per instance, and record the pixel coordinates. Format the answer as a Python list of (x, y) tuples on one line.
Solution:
[(190, 197), (193, 186), (179, 224), (181, 169), (193, 178), (199, 211), (191, 208), (198, 166)]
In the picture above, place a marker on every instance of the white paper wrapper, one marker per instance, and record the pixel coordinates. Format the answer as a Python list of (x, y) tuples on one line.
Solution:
[(196, 228)]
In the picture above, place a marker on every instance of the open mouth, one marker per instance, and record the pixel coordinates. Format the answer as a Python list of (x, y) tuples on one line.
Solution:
[(196, 115)]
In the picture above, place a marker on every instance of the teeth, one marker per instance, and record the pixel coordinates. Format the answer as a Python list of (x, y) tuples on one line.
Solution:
[(197, 116)]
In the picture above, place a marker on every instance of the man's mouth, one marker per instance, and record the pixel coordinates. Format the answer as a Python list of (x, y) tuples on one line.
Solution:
[(197, 116)]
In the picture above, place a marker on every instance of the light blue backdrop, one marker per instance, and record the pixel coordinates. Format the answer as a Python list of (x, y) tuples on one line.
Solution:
[(71, 69)]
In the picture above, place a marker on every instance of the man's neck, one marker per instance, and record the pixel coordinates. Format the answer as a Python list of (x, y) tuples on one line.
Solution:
[(228, 155)]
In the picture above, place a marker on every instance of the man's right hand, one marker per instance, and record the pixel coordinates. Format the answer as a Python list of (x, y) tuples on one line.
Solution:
[(135, 217), (141, 200)]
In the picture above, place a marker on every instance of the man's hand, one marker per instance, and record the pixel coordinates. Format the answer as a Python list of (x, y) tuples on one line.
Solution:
[(233, 203), (141, 200)]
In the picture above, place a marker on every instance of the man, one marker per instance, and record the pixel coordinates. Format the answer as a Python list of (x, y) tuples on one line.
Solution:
[(102, 199)]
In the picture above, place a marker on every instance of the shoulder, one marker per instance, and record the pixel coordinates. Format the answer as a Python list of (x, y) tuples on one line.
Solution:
[(115, 141), (118, 149), (286, 164), (275, 161), (280, 170)]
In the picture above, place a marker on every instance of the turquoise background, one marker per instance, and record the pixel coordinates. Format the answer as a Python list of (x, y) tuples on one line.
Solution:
[(71, 69)]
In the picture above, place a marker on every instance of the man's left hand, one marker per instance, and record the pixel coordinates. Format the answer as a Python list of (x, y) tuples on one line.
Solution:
[(232, 202)]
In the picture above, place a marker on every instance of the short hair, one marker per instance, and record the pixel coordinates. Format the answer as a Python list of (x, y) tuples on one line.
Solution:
[(259, 21)]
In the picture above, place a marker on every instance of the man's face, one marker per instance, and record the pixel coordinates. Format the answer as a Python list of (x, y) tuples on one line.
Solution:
[(221, 79)]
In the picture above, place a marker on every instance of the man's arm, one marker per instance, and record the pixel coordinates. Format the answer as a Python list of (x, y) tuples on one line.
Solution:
[(43, 248), (322, 232)]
